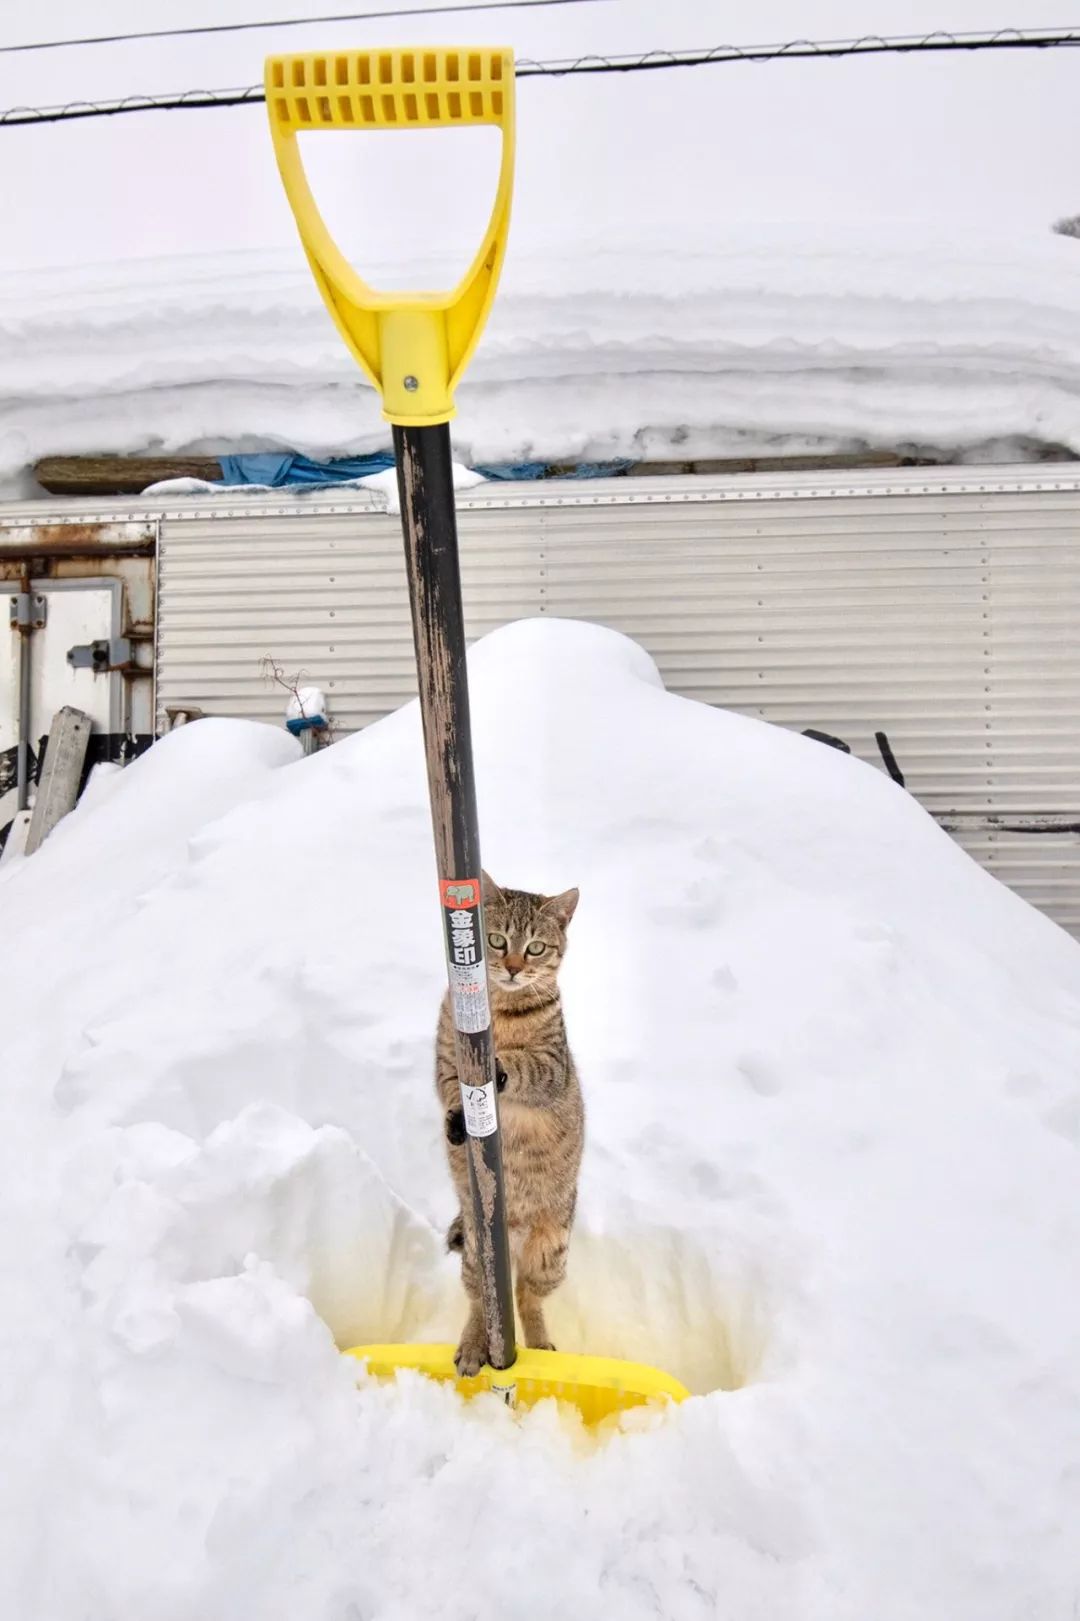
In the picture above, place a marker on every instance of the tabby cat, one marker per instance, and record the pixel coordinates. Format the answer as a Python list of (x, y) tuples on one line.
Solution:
[(541, 1113)]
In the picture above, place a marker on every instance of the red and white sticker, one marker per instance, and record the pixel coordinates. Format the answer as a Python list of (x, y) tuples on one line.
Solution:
[(465, 954)]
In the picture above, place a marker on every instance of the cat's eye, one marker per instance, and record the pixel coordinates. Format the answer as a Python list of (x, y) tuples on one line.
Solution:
[(535, 948), (497, 942)]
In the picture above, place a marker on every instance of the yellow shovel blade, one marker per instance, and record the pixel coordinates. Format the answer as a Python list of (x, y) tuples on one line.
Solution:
[(596, 1385)]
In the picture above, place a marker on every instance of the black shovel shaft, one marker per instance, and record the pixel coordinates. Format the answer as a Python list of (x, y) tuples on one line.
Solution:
[(429, 523)]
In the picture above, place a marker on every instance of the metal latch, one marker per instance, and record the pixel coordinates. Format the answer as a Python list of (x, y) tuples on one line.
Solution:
[(110, 653), (27, 611)]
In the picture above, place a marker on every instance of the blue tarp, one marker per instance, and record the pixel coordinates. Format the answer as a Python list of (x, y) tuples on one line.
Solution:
[(278, 468), (282, 467)]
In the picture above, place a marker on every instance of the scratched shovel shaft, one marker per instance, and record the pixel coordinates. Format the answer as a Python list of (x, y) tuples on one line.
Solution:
[(429, 524)]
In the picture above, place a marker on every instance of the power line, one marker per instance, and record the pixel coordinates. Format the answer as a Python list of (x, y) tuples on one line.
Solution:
[(1004, 39), (292, 22), (869, 45)]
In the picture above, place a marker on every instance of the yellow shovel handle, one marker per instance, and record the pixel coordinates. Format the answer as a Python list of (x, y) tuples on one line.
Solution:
[(414, 346)]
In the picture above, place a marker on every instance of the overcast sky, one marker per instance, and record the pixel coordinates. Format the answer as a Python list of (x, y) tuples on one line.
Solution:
[(662, 158)]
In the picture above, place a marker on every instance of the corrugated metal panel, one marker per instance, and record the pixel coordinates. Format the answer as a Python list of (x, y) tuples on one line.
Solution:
[(942, 622), (320, 594), (940, 611)]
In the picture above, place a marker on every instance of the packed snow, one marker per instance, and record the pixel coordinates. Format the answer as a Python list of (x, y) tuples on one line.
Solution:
[(772, 340), (833, 1125)]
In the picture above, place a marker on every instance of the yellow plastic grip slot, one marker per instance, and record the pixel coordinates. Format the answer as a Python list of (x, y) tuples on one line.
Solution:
[(413, 346)]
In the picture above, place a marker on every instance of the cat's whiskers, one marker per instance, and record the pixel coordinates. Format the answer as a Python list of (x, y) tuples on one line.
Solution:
[(539, 1000)]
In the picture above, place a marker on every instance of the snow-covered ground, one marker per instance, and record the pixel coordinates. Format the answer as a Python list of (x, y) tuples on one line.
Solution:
[(779, 339), (834, 1117)]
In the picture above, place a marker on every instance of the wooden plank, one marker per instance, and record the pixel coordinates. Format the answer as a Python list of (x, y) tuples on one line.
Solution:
[(58, 784), (118, 475), (130, 475), (808, 463)]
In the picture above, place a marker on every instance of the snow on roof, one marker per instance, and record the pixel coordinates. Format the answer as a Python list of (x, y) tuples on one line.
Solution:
[(651, 304), (781, 339)]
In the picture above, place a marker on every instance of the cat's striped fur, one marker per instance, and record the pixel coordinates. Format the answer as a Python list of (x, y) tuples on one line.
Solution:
[(541, 1112)]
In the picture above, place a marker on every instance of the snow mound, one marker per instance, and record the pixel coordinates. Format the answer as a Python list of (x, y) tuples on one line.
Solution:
[(773, 339), (830, 1181)]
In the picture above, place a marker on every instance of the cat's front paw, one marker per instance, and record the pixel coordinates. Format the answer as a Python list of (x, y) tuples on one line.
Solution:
[(471, 1354), (455, 1127)]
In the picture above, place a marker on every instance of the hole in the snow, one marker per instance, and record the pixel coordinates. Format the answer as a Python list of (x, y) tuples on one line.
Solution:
[(660, 1296), (672, 1300)]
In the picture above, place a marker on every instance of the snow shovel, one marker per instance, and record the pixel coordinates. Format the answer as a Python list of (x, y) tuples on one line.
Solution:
[(414, 348)]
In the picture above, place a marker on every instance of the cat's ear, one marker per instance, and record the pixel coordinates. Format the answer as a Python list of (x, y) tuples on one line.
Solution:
[(491, 890), (562, 907)]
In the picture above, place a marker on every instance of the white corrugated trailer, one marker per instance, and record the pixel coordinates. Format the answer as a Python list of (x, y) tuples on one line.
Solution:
[(937, 607)]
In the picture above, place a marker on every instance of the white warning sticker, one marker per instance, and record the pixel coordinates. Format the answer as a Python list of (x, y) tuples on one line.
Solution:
[(479, 1105), (469, 998)]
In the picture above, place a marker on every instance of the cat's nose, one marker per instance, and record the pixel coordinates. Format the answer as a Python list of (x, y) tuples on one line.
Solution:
[(514, 965)]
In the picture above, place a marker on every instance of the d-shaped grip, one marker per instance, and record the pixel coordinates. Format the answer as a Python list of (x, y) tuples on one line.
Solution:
[(414, 346)]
